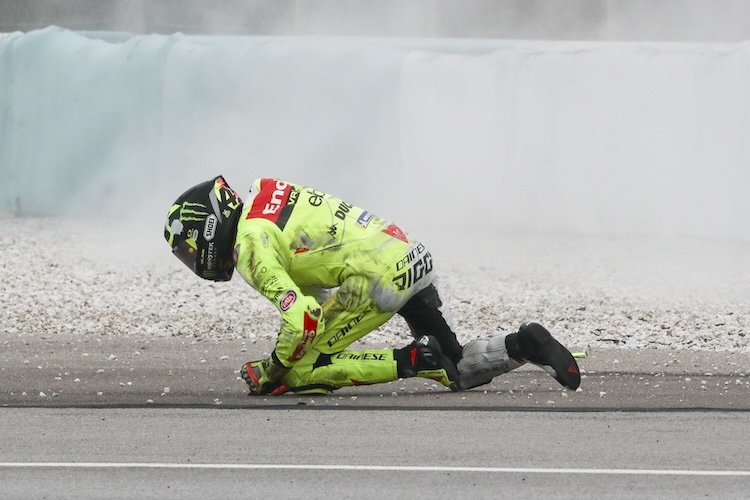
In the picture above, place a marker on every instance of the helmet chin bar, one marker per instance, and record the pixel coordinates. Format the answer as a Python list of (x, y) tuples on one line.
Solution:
[(187, 255), (221, 270), (223, 273)]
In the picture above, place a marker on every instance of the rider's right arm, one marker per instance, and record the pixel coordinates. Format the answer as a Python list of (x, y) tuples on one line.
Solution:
[(260, 258), (260, 253)]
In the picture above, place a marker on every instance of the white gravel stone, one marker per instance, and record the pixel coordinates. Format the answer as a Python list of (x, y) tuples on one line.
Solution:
[(68, 274)]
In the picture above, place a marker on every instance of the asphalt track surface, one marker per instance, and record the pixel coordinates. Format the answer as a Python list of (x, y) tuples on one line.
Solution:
[(130, 417)]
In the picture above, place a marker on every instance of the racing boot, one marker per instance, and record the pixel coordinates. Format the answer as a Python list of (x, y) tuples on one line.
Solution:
[(534, 343), (484, 359), (425, 359)]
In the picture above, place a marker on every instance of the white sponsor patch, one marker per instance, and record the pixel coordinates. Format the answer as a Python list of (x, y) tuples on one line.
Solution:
[(176, 227), (209, 230)]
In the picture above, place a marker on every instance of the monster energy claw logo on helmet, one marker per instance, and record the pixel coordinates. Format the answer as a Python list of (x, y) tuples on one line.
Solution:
[(201, 227)]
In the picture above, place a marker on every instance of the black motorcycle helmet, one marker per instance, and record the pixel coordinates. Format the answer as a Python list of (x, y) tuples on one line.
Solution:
[(201, 227)]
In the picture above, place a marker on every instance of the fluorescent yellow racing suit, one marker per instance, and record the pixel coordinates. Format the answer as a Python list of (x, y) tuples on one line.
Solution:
[(293, 243)]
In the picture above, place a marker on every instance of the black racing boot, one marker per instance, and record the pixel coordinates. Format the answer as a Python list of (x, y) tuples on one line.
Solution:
[(425, 359), (534, 343)]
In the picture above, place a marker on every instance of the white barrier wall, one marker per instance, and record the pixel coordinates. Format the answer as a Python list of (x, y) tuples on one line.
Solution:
[(135, 123), (585, 137), (570, 137)]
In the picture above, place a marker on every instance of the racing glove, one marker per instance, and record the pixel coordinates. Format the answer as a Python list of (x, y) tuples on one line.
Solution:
[(264, 376)]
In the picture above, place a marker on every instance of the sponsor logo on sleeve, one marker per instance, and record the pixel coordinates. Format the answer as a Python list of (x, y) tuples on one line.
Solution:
[(288, 300)]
